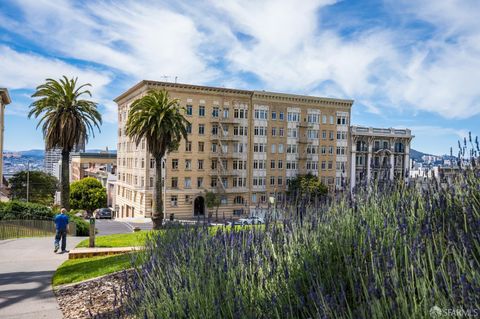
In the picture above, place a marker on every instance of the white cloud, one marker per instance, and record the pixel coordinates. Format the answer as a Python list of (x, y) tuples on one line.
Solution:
[(290, 49)]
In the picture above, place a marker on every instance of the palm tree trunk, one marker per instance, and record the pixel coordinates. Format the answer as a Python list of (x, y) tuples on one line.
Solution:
[(65, 182), (158, 214)]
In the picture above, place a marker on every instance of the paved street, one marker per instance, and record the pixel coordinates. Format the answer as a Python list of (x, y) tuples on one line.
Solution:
[(115, 226), (26, 269)]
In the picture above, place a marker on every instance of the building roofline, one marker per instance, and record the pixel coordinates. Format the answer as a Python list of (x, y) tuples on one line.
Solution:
[(253, 93), (95, 155), (5, 96)]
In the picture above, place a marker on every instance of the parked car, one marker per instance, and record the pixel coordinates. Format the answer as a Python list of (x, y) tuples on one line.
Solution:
[(103, 213), (252, 220), (240, 222)]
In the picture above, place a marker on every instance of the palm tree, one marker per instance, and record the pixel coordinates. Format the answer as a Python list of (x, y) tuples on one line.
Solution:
[(67, 120), (158, 120)]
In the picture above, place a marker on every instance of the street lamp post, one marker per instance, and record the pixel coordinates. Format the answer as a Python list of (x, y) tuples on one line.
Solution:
[(28, 180)]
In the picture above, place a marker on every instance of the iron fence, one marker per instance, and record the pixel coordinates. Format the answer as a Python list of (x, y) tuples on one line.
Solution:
[(30, 228)]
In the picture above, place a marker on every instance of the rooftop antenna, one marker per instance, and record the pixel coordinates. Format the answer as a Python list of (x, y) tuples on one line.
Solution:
[(176, 77)]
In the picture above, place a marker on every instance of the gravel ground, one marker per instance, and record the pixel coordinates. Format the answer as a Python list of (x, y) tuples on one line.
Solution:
[(97, 298)]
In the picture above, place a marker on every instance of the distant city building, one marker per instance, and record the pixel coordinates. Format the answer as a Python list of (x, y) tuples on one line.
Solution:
[(54, 155), (379, 153)]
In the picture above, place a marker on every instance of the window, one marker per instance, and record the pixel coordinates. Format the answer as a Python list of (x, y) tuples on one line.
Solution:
[(324, 119), (225, 113), (254, 198), (143, 163), (272, 180), (174, 182), (201, 129), (214, 129), (280, 148), (330, 135), (280, 181), (292, 132), (174, 200), (201, 110), (261, 114), (331, 119), (188, 164), (341, 120), (213, 182), (189, 128), (188, 146), (323, 165), (188, 199), (223, 200), (273, 149), (187, 183), (189, 110), (214, 147), (239, 113), (330, 150), (201, 146), (274, 115), (238, 200), (312, 118), (199, 182), (174, 163), (200, 164), (215, 111), (324, 135), (214, 165), (260, 131), (280, 131), (312, 134), (280, 116), (272, 164), (280, 164), (293, 117), (151, 181), (330, 165), (274, 131)]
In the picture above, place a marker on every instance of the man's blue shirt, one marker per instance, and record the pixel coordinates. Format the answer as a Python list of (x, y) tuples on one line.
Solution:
[(61, 222)]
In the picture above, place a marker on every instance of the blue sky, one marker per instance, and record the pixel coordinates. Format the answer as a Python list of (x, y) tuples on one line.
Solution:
[(413, 64)]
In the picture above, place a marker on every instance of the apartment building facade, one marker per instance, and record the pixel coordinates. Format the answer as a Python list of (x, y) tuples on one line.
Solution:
[(244, 145), (382, 154), (4, 101)]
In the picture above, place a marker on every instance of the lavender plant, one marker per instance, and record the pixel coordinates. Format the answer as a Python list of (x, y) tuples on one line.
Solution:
[(389, 253)]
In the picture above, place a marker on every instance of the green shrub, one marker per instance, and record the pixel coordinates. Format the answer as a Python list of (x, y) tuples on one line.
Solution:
[(23, 210)]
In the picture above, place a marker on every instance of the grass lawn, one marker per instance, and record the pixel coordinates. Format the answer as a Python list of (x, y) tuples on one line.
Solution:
[(76, 270), (118, 240)]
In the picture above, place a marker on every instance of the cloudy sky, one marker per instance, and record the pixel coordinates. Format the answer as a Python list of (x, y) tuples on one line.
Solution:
[(412, 64)]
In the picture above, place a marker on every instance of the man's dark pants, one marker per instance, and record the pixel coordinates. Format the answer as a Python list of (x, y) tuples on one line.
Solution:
[(61, 235)]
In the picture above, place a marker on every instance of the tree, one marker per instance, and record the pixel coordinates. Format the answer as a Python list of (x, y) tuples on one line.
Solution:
[(158, 120), (42, 187), (88, 194), (306, 187), (212, 200), (66, 119)]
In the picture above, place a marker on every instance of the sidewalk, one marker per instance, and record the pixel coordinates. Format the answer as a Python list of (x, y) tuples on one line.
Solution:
[(27, 266)]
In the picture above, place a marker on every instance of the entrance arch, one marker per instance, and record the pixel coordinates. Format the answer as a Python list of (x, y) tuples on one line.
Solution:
[(199, 206)]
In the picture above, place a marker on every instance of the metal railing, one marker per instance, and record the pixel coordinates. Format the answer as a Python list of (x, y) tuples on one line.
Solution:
[(30, 228)]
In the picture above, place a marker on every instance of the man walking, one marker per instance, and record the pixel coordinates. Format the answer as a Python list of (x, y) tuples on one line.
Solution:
[(61, 225)]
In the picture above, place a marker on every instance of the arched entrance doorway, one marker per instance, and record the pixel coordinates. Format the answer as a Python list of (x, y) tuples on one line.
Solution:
[(199, 206)]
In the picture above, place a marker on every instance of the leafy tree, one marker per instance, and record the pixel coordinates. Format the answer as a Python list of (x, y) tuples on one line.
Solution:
[(66, 119), (306, 187), (159, 121), (88, 194), (42, 187), (212, 199)]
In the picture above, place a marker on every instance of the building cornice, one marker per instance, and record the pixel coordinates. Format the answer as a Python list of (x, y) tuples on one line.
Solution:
[(255, 95), (5, 96)]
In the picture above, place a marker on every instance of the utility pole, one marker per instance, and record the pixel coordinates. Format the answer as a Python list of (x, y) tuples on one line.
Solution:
[(28, 179)]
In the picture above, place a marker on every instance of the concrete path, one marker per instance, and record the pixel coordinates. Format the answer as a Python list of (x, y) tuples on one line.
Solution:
[(27, 266)]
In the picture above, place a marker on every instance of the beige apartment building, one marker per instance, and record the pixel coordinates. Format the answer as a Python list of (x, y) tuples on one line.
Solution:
[(245, 145), (4, 100), (381, 154)]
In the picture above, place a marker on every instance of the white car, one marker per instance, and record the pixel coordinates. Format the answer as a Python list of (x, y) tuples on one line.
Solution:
[(252, 220)]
